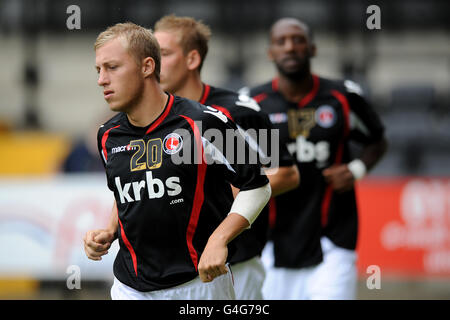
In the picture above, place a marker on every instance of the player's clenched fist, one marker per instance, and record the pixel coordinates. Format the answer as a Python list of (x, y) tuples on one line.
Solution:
[(212, 261), (97, 243), (340, 177)]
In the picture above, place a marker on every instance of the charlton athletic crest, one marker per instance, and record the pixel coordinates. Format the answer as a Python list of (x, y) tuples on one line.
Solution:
[(172, 143), (325, 116)]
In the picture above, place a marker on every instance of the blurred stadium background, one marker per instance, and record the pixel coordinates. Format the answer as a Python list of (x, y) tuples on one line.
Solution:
[(51, 186)]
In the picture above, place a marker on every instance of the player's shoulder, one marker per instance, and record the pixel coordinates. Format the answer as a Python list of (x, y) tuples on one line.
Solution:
[(263, 88), (187, 108), (115, 121), (221, 96), (237, 103), (195, 111), (345, 86)]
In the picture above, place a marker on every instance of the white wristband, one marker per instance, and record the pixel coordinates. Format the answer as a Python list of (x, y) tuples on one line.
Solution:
[(249, 203), (357, 168)]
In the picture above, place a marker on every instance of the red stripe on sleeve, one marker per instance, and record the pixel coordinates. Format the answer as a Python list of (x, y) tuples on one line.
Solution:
[(223, 110), (345, 108), (199, 192), (339, 153), (260, 97), (104, 138), (326, 205), (329, 189), (128, 244), (272, 212)]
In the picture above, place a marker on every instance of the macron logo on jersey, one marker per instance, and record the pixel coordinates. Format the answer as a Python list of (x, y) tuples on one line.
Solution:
[(155, 188), (122, 149)]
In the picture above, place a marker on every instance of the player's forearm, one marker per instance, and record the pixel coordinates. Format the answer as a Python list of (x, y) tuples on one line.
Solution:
[(113, 223), (372, 153), (283, 179), (229, 229), (234, 190), (245, 209)]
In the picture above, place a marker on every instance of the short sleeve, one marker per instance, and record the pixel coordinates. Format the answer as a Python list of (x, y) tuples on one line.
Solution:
[(365, 124), (230, 154), (272, 151), (102, 153)]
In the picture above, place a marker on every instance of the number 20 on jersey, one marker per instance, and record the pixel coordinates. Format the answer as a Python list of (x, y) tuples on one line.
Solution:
[(153, 151)]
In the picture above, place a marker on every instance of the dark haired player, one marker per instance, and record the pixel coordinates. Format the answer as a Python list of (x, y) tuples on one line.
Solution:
[(315, 231), (184, 45)]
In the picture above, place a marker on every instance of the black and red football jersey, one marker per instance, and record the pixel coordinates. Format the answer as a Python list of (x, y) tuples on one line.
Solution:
[(317, 131), (246, 113), (169, 197)]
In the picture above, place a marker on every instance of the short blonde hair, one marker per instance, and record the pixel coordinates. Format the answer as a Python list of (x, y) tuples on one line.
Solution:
[(194, 34), (140, 42)]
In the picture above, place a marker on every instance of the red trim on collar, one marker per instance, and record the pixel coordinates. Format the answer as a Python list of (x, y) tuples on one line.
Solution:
[(307, 99), (275, 84), (162, 116), (206, 89), (309, 96)]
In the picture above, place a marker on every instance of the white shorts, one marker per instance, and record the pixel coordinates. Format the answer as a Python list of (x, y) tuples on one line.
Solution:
[(248, 279), (335, 278), (267, 257), (286, 284), (221, 288)]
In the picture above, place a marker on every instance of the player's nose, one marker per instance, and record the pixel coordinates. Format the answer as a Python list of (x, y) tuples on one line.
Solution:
[(289, 45), (102, 78)]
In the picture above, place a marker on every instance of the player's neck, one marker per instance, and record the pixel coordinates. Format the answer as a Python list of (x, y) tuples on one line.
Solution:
[(193, 87), (295, 90), (150, 106)]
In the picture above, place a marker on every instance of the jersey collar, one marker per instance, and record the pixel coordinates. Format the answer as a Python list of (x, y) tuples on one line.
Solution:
[(206, 89), (308, 97), (162, 116)]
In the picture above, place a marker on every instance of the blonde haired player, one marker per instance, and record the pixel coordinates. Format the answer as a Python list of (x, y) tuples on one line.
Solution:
[(173, 221)]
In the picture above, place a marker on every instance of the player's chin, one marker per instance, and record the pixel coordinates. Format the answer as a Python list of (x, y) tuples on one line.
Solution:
[(293, 71), (116, 107)]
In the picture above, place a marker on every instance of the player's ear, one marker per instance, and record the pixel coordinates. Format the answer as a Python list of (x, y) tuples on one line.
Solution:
[(193, 60), (148, 66)]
